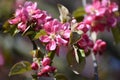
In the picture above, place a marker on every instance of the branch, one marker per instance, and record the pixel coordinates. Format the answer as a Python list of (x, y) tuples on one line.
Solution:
[(95, 65)]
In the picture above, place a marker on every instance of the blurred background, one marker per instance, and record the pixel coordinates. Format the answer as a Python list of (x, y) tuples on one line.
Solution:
[(13, 50)]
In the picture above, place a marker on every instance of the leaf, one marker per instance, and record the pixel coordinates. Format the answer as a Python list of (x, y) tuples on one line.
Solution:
[(51, 55), (79, 14), (8, 28), (75, 36), (40, 33), (116, 33), (64, 13), (76, 66), (37, 53), (20, 68), (69, 56), (59, 76), (79, 54)]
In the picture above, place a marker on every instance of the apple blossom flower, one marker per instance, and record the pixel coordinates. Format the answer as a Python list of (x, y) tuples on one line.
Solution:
[(100, 15), (29, 14), (85, 43), (57, 34), (99, 46), (34, 66), (46, 61)]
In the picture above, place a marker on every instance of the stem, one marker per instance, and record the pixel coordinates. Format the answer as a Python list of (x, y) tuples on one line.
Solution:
[(95, 67)]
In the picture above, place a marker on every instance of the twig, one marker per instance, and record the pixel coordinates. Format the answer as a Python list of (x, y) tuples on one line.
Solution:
[(95, 65)]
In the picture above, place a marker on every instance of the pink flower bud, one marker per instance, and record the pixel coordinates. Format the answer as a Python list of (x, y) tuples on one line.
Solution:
[(34, 66), (99, 46), (84, 27), (46, 69), (46, 61), (102, 46)]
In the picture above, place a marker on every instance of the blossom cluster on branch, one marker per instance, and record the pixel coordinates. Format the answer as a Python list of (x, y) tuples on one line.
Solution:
[(53, 33)]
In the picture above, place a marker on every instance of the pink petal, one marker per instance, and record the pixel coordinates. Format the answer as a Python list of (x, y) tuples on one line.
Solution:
[(61, 41), (45, 38), (14, 21), (66, 34), (47, 27), (51, 46), (22, 26)]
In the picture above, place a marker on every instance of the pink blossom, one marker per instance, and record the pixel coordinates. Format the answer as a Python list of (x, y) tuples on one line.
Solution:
[(100, 15), (46, 61), (85, 43), (34, 66), (57, 34), (99, 46), (29, 13), (83, 26)]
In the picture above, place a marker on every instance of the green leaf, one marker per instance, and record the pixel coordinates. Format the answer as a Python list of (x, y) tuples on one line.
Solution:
[(77, 65), (37, 53), (69, 56), (79, 54), (75, 36), (59, 76), (20, 68), (79, 14), (51, 55), (8, 28), (40, 33), (116, 33), (64, 13)]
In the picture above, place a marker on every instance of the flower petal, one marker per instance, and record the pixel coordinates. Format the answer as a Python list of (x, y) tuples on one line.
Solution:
[(61, 41), (51, 46), (66, 34), (22, 26), (14, 21), (45, 38)]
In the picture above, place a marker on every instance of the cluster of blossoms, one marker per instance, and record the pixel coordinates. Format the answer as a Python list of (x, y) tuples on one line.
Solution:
[(85, 42), (43, 68), (58, 34), (29, 14), (101, 15)]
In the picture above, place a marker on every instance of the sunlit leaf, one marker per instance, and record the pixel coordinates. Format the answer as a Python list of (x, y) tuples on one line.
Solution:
[(20, 68), (79, 14), (40, 33), (37, 53), (11, 29), (64, 13), (75, 36)]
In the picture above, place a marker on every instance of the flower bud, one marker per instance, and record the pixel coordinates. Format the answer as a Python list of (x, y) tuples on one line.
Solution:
[(102, 46), (84, 27), (46, 69), (99, 46), (34, 66), (46, 61)]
